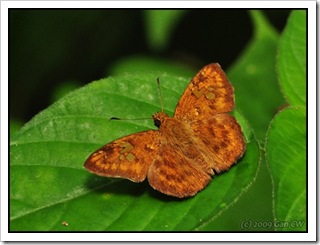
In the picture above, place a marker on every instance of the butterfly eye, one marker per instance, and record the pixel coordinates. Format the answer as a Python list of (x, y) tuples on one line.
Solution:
[(157, 122)]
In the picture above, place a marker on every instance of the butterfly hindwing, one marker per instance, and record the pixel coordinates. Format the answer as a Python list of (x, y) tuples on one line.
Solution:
[(173, 174), (223, 138)]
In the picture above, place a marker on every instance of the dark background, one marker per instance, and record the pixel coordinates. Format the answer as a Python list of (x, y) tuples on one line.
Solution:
[(50, 47)]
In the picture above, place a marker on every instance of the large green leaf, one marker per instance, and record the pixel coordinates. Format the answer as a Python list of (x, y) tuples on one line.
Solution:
[(286, 156), (48, 185), (292, 59)]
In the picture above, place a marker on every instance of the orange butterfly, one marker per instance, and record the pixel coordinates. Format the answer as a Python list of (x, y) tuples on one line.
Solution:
[(180, 158)]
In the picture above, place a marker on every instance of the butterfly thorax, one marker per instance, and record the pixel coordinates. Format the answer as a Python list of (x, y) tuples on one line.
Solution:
[(174, 131), (171, 126)]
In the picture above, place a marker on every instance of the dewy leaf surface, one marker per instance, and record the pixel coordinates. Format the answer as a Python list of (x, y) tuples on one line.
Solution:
[(49, 186)]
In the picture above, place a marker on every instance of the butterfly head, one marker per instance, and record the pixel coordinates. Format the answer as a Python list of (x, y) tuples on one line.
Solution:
[(159, 118)]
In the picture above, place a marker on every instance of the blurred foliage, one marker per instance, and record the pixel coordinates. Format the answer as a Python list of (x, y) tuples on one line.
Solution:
[(49, 47)]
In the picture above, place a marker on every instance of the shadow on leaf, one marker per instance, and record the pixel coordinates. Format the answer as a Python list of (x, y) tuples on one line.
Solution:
[(105, 185)]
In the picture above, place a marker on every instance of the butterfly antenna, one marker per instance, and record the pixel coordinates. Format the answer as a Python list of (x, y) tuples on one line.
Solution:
[(129, 119), (161, 102)]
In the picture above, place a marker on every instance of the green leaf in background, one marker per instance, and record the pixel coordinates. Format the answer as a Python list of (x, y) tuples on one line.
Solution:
[(286, 138), (49, 186), (64, 88), (254, 77), (159, 26), (291, 59), (139, 63), (286, 156), (14, 126)]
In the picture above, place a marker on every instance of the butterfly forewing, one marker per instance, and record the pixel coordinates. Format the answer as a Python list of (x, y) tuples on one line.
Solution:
[(208, 93), (128, 157)]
